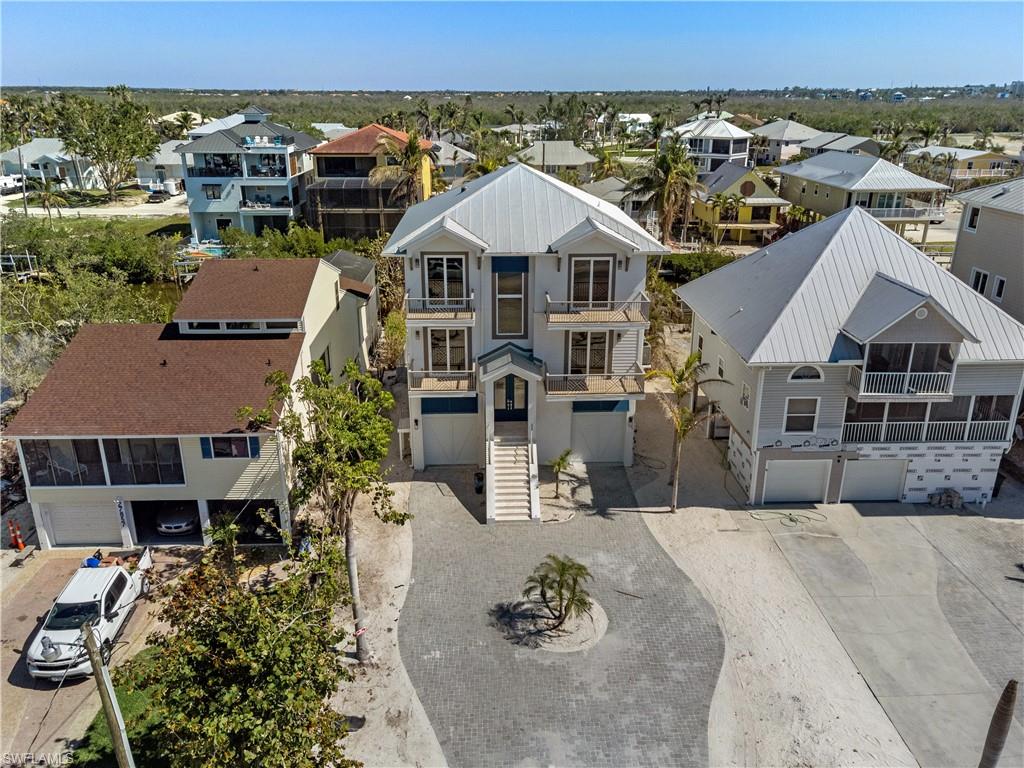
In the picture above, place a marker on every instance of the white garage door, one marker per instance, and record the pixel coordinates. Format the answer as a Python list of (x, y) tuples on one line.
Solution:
[(73, 525), (450, 439), (788, 480), (874, 480), (598, 436)]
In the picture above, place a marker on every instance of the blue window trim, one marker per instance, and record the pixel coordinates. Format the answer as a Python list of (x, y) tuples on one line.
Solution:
[(443, 405), (600, 406), (206, 447), (510, 264)]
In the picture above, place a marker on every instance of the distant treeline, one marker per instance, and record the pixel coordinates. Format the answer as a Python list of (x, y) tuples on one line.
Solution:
[(838, 111)]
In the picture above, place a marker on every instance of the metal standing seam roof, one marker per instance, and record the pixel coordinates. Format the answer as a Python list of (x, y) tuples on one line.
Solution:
[(449, 154), (788, 303), (553, 153), (233, 139), (960, 153), (726, 175), (786, 130), (509, 354), (38, 148), (1005, 196), (823, 138), (858, 172), (516, 210), (712, 128)]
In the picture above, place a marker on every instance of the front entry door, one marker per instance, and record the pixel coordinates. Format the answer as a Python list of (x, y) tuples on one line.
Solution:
[(510, 399)]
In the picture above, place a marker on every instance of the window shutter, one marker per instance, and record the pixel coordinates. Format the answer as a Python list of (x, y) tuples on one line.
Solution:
[(207, 447), (254, 447)]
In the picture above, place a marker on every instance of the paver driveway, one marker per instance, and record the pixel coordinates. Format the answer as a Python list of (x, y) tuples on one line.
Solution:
[(639, 697)]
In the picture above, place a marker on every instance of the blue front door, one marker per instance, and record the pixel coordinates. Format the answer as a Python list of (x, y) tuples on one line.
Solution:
[(510, 399)]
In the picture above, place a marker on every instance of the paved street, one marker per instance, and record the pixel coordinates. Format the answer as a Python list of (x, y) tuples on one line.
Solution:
[(640, 697)]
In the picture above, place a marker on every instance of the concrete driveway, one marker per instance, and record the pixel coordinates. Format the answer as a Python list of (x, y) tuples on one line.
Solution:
[(930, 608), (28, 593), (638, 697)]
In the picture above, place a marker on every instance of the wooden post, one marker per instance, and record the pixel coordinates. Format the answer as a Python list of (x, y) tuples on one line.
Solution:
[(115, 723)]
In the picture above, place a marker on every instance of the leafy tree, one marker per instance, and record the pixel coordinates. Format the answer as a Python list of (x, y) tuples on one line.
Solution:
[(682, 380), (112, 133), (664, 308), (558, 584), (403, 167), (392, 341), (69, 115), (671, 178), (691, 265), (24, 116), (558, 466), (245, 673), (339, 437)]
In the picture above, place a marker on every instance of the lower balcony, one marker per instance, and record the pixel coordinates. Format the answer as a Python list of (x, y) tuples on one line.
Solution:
[(926, 431), (442, 382), (601, 384)]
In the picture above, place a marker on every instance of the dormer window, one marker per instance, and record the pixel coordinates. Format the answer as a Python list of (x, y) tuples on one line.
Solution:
[(806, 373)]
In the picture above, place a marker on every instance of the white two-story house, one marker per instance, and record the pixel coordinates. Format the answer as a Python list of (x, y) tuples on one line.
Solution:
[(525, 317), (250, 174), (857, 369), (135, 427), (713, 141)]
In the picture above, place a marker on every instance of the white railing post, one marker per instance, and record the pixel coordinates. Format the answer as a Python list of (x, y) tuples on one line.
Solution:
[(489, 482)]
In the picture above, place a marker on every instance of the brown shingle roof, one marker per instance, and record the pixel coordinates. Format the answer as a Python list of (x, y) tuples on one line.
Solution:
[(364, 141), (111, 380), (248, 289)]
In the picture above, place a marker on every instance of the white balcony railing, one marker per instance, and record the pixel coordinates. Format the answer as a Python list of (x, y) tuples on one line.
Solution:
[(598, 312), (630, 383), (438, 308), (886, 383), (979, 173), (907, 213), (443, 381), (925, 431)]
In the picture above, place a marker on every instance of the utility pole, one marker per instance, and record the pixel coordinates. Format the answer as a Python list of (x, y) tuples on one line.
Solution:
[(115, 723)]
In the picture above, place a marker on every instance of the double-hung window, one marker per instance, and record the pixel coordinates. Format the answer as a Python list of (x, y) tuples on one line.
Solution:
[(212, 191), (998, 288), (979, 280), (510, 304), (972, 220), (801, 415), (446, 280), (700, 348), (448, 349), (588, 352)]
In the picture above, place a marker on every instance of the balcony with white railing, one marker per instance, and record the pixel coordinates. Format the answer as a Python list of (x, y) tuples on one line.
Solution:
[(928, 213), (459, 311), (925, 431), (980, 173), (901, 385), (608, 385), (443, 382), (565, 315)]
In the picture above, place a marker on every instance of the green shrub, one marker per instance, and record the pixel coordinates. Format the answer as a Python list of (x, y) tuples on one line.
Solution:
[(685, 267)]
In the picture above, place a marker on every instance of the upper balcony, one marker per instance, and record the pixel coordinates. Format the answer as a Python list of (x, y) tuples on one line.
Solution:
[(981, 173), (571, 386), (457, 311), (568, 315), (900, 385), (924, 213)]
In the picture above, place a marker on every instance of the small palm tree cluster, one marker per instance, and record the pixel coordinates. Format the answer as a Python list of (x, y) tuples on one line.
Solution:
[(670, 178), (403, 167), (558, 466), (727, 209), (558, 585)]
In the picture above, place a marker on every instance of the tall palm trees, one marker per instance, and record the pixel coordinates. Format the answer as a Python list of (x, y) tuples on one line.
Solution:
[(608, 164), (682, 380), (726, 208), (184, 122), (517, 117), (50, 196), (402, 166), (927, 131), (23, 116), (671, 179)]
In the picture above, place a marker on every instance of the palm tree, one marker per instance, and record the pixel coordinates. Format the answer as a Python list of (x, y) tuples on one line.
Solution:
[(927, 131), (671, 179), (516, 117), (23, 116), (49, 196), (184, 122), (402, 166), (682, 381), (424, 117), (608, 164), (718, 100), (718, 202), (984, 140), (558, 466), (557, 583)]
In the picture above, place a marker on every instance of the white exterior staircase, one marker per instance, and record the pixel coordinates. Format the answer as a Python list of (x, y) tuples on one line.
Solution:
[(512, 479)]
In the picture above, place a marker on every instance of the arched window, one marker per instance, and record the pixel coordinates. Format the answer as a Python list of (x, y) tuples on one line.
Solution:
[(806, 373)]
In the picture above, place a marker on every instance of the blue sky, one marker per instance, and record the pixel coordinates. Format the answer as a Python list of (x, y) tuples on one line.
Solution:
[(510, 46)]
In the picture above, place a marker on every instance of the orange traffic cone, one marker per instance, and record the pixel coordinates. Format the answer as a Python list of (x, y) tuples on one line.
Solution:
[(10, 531), (19, 543)]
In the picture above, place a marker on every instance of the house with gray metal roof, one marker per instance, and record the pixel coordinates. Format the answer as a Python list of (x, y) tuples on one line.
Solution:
[(989, 253), (450, 160), (834, 181), (857, 369), (964, 164), (781, 139), (525, 316), (162, 171), (251, 174), (557, 157), (615, 190), (46, 158), (830, 141), (713, 141)]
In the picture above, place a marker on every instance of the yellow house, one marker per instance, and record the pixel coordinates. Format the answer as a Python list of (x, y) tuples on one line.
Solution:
[(964, 163), (343, 202), (737, 204)]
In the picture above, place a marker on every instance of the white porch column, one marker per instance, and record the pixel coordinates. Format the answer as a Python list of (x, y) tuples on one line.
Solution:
[(125, 519), (284, 516), (627, 448), (204, 521), (416, 434), (42, 525)]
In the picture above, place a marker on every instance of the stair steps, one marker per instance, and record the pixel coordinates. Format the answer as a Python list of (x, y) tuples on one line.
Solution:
[(511, 478)]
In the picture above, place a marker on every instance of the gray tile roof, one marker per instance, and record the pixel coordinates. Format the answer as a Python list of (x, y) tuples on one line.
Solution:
[(846, 143), (449, 154), (611, 189), (858, 172), (823, 138), (711, 127), (516, 210), (786, 130), (37, 148), (350, 264), (1002, 196), (724, 177), (232, 139), (788, 303), (554, 153)]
